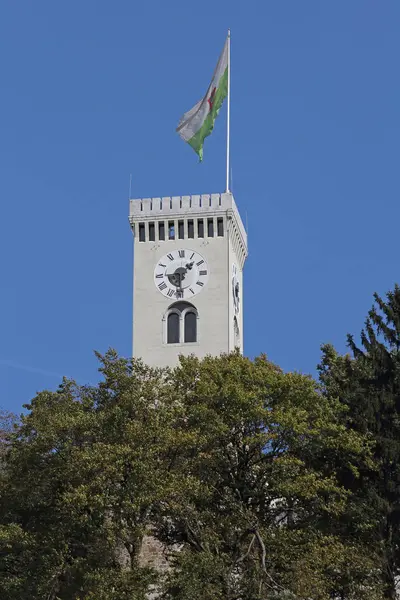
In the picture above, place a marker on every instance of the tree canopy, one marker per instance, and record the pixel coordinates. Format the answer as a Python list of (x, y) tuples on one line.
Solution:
[(233, 465), (367, 384)]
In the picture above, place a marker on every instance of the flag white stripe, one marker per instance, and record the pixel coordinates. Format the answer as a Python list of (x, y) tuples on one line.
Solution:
[(192, 120)]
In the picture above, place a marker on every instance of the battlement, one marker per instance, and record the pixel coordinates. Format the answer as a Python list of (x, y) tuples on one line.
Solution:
[(170, 207)]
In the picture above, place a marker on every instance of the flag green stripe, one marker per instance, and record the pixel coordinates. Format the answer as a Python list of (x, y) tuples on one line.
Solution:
[(198, 139)]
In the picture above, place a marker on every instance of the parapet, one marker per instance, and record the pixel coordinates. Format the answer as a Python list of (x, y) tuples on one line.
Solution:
[(168, 205), (142, 209)]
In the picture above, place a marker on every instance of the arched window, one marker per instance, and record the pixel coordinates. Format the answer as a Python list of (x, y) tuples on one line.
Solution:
[(190, 328), (180, 324), (173, 327)]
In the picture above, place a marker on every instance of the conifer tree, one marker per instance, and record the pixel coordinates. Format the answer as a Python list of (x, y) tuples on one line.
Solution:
[(368, 384)]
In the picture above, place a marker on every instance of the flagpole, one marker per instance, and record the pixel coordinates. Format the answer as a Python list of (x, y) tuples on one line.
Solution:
[(228, 114)]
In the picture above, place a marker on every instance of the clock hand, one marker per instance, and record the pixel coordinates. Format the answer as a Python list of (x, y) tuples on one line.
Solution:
[(237, 290), (179, 276)]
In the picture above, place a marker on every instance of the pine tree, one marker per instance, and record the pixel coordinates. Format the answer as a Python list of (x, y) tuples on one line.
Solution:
[(368, 384)]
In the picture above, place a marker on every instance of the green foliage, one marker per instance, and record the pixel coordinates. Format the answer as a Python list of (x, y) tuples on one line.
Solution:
[(232, 463), (368, 385), (82, 476), (8, 424), (251, 495)]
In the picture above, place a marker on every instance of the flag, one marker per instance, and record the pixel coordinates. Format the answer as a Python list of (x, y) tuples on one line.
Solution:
[(198, 123)]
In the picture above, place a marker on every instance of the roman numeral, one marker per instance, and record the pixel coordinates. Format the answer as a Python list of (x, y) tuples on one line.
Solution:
[(200, 283), (161, 265), (159, 275), (190, 290), (181, 253), (191, 256), (170, 293), (202, 272), (170, 257), (199, 263), (162, 286)]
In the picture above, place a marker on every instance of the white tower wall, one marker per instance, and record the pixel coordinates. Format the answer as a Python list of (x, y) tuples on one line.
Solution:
[(216, 328)]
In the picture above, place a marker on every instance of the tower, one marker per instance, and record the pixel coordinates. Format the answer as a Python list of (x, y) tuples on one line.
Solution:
[(189, 253)]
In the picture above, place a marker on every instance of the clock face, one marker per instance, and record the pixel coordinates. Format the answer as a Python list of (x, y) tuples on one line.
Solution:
[(235, 289), (181, 274)]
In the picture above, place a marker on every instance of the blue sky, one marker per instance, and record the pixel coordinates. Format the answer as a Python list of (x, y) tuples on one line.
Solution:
[(92, 91)]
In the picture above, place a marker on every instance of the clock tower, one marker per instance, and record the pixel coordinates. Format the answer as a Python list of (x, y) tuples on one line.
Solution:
[(189, 253)]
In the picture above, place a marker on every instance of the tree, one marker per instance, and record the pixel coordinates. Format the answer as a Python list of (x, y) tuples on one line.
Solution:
[(81, 478), (246, 517), (229, 462), (8, 423), (368, 385)]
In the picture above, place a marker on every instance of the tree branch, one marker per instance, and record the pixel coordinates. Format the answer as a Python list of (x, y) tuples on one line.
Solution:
[(274, 584), (241, 559)]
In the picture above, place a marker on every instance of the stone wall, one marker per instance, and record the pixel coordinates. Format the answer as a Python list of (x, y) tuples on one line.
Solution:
[(153, 554)]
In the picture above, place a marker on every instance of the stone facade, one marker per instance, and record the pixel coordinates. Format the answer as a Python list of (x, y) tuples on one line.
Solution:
[(223, 244), (153, 554)]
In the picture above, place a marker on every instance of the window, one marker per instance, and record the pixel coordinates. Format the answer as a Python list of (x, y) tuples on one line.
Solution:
[(210, 227), (173, 326), (200, 228), (190, 228), (142, 234), (220, 226), (152, 232), (171, 230), (181, 231), (161, 230), (180, 324), (190, 327)]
